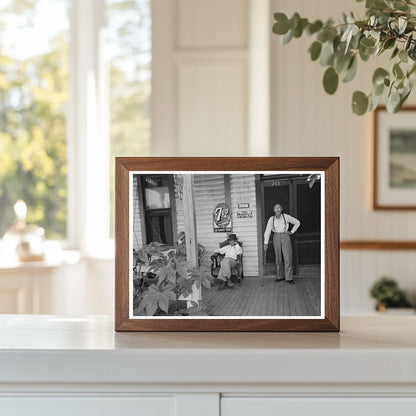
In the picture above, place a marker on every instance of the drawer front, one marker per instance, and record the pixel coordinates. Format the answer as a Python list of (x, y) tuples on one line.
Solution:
[(273, 406), (87, 406)]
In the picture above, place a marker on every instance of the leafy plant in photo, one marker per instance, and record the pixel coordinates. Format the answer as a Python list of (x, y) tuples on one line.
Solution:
[(387, 292), (388, 28), (168, 277)]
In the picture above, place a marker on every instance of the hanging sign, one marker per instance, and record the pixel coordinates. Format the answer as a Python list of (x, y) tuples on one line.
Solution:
[(222, 218), (244, 214)]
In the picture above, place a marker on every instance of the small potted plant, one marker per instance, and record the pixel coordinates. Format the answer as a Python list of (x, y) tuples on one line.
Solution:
[(387, 294)]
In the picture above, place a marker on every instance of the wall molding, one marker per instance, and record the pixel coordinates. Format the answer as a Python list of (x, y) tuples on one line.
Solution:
[(377, 245)]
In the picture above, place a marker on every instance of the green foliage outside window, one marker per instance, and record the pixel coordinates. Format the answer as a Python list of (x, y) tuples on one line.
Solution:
[(33, 99), (34, 104)]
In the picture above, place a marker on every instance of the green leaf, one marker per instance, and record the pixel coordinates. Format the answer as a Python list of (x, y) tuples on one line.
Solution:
[(315, 50), (327, 53), (397, 71), (298, 30), (365, 49), (288, 37), (403, 56), (367, 42), (400, 5), (294, 20), (408, 42), (395, 52), (393, 101), (402, 24), (374, 102), (389, 43), (330, 80), (359, 103), (322, 36), (404, 95), (348, 34), (379, 75), (351, 71), (314, 27), (281, 26), (376, 4), (341, 62), (378, 89)]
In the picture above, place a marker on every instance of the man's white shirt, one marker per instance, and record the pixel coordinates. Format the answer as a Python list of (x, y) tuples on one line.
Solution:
[(230, 251), (280, 225)]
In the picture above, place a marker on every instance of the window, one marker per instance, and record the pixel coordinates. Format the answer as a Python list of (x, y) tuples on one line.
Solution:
[(129, 45), (33, 112), (75, 87), (157, 196)]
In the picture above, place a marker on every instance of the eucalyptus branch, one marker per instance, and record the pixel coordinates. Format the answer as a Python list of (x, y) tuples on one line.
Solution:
[(389, 25)]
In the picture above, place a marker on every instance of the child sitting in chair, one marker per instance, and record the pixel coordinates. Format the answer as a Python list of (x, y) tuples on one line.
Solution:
[(231, 251)]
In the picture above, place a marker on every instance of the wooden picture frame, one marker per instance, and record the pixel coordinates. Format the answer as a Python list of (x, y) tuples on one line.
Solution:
[(259, 171), (394, 158)]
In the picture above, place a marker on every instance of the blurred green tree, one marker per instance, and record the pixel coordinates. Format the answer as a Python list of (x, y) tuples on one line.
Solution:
[(33, 98), (34, 101)]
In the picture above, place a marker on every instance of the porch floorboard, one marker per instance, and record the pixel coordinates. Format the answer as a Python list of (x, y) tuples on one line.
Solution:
[(271, 299)]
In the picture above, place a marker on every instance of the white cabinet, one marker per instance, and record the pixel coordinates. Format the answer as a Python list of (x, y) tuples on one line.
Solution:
[(323, 406), (88, 406)]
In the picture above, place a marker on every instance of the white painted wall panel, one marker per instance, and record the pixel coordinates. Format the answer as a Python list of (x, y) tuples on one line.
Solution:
[(212, 24), (212, 108)]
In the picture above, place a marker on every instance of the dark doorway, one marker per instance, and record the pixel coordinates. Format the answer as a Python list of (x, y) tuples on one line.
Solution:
[(300, 197)]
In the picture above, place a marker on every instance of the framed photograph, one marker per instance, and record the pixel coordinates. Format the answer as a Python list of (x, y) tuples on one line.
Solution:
[(227, 244), (394, 179)]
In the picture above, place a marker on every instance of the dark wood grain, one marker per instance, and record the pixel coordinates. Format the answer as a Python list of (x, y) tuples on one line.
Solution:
[(328, 164), (376, 205), (378, 245)]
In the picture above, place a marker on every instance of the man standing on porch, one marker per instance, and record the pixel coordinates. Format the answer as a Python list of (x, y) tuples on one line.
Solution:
[(279, 225), (230, 260)]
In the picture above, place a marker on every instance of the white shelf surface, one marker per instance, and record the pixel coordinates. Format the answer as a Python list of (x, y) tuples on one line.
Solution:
[(53, 349)]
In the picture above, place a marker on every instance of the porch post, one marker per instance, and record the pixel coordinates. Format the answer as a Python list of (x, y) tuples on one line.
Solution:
[(190, 220)]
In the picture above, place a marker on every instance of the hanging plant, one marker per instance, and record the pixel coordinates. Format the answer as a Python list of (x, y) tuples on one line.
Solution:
[(388, 28)]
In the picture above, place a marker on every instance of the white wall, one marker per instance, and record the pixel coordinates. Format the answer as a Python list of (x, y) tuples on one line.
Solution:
[(200, 77), (211, 81), (308, 122)]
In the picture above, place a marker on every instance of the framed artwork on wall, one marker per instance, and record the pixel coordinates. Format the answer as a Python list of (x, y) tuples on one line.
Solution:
[(394, 150), (227, 244)]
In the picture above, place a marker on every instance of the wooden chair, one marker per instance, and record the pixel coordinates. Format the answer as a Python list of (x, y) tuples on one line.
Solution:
[(236, 272)]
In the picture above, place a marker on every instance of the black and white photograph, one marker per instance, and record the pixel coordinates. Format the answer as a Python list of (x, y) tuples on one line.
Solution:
[(226, 244)]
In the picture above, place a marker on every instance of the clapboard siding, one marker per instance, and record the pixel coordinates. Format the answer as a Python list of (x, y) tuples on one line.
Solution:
[(243, 190), (208, 192)]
